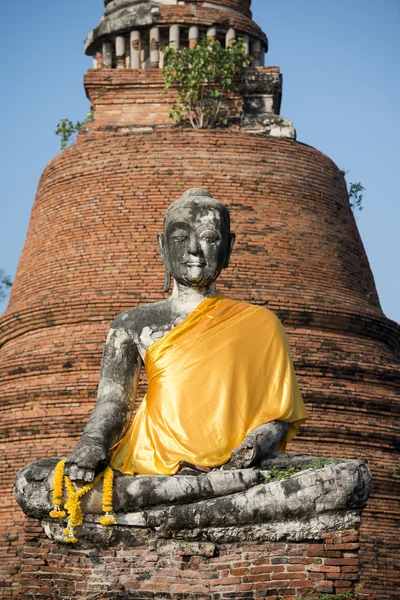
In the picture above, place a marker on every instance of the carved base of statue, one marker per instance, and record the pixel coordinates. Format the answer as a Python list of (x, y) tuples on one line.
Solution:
[(295, 498), (284, 531)]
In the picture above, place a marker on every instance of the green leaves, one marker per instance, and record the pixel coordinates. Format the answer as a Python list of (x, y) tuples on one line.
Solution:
[(277, 474), (355, 191), (346, 595), (356, 196), (66, 129), (204, 77)]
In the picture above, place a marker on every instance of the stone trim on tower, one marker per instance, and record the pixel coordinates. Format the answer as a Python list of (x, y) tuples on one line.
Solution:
[(222, 20)]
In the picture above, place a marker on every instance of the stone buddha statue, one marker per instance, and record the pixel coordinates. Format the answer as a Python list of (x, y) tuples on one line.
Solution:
[(222, 398), (222, 393)]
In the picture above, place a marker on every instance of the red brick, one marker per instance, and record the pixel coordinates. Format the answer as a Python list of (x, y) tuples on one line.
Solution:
[(239, 571), (284, 576), (226, 581), (256, 578), (324, 569), (266, 569), (341, 561), (350, 546)]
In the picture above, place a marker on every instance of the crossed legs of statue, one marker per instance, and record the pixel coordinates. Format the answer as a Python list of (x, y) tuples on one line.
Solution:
[(257, 446)]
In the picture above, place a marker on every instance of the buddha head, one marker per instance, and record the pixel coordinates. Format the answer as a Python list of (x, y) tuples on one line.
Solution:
[(197, 241)]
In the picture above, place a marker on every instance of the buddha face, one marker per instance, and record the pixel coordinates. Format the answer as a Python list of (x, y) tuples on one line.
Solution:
[(197, 242)]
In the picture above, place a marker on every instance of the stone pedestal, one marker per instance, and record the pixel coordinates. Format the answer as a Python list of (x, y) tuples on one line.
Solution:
[(172, 569), (280, 532)]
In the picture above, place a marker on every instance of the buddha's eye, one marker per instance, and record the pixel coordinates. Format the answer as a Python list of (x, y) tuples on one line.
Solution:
[(178, 239), (209, 235), (211, 238)]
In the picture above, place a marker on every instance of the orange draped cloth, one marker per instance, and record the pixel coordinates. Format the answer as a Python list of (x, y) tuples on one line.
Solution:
[(222, 372)]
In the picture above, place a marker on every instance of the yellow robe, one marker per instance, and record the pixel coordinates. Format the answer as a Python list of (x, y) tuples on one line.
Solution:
[(222, 372)]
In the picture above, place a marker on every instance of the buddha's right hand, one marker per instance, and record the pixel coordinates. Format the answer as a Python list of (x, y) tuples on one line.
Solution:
[(86, 460)]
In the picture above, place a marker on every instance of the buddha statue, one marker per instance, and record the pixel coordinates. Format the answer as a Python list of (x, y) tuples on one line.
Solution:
[(222, 392), (199, 459)]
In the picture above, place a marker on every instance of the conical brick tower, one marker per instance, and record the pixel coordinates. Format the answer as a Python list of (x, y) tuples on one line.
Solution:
[(91, 252)]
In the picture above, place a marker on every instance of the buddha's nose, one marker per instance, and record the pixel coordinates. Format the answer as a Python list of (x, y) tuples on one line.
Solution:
[(194, 246)]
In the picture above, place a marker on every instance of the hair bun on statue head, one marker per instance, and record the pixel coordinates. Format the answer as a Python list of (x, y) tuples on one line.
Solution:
[(196, 193)]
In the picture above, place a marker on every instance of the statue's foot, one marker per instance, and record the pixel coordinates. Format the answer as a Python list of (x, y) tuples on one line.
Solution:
[(194, 470), (187, 471)]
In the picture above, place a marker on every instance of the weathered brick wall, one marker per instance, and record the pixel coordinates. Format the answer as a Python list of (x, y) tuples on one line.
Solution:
[(188, 570), (139, 106), (91, 252), (101, 202)]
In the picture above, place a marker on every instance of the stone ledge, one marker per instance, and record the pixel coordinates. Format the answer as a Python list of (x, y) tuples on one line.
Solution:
[(269, 124), (141, 14)]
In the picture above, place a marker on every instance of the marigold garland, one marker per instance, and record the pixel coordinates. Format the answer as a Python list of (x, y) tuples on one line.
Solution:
[(107, 507), (56, 500), (73, 505)]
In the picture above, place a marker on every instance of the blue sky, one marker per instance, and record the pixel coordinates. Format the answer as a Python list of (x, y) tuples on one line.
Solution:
[(340, 63)]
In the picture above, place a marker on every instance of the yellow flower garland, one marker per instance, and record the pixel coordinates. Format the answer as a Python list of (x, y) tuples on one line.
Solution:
[(73, 505), (107, 507), (57, 513)]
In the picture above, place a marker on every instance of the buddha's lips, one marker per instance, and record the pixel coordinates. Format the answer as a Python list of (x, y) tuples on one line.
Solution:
[(195, 264)]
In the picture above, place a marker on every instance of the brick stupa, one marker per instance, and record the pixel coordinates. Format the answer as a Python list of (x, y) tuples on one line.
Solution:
[(91, 252)]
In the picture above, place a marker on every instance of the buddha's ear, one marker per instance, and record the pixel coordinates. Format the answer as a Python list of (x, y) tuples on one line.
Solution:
[(232, 239), (167, 273), (161, 244)]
